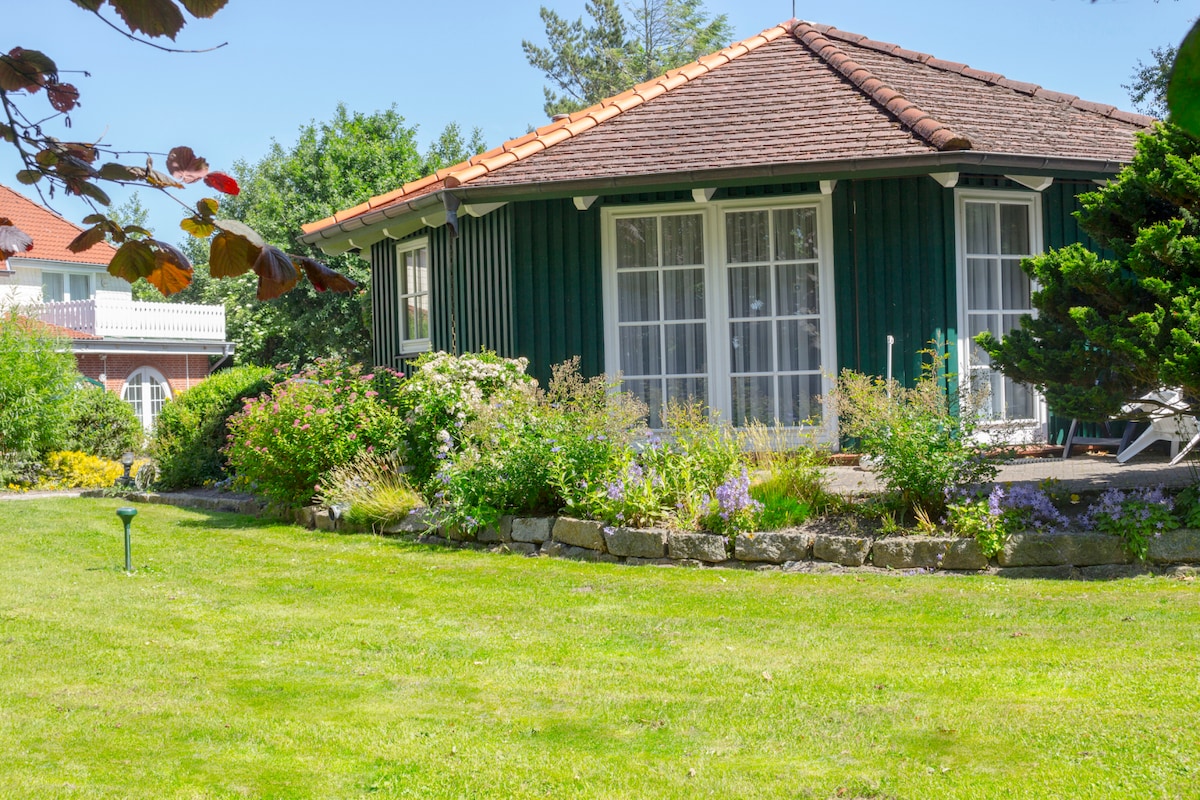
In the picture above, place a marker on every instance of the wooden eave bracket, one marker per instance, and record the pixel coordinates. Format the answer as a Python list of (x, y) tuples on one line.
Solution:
[(584, 202), (948, 180), (1038, 183), (704, 195), (827, 187), (480, 209)]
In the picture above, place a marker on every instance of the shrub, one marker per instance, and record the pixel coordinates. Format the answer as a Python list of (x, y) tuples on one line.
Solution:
[(1006, 509), (284, 441), (102, 424), (922, 449), (372, 489), (37, 376), (444, 393), (75, 470), (191, 430), (529, 451)]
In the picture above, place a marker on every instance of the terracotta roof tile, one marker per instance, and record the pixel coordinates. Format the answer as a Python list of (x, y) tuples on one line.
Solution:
[(29, 323), (50, 232), (818, 94)]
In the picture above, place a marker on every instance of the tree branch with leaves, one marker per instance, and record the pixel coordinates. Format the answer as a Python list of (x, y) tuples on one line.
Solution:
[(55, 165)]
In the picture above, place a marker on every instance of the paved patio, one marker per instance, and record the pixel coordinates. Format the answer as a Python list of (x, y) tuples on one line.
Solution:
[(1081, 473)]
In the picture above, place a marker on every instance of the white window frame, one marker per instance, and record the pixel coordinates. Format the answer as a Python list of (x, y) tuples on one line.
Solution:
[(420, 344), (66, 276), (717, 291), (1012, 431), (145, 413)]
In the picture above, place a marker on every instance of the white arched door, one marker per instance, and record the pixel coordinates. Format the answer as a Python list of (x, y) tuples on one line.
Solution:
[(146, 390)]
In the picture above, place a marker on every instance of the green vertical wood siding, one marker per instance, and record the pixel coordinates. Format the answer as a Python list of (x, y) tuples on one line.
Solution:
[(558, 308), (472, 285), (894, 271)]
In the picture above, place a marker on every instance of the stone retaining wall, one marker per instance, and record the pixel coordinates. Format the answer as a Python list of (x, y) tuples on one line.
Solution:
[(1029, 554)]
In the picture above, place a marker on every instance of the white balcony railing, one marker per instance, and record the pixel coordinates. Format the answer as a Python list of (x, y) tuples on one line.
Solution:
[(120, 317)]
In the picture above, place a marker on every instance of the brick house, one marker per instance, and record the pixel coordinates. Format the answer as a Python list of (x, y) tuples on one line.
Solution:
[(145, 352)]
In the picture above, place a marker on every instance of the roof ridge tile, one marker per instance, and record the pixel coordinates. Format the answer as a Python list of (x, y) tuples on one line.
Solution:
[(993, 78), (922, 124)]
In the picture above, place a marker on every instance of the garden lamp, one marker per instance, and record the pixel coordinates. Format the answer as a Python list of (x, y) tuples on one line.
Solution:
[(127, 514), (127, 463)]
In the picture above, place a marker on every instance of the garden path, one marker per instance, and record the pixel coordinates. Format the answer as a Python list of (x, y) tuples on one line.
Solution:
[(1090, 472)]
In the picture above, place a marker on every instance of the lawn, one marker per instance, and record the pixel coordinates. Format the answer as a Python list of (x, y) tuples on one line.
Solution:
[(250, 659)]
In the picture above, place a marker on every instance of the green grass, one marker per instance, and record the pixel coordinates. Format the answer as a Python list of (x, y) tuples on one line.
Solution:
[(246, 659)]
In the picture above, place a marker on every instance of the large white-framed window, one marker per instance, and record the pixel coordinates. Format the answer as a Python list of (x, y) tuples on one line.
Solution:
[(995, 231), (58, 287), (412, 282), (146, 390), (727, 303)]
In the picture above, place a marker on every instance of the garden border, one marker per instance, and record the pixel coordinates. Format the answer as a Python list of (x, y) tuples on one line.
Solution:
[(1028, 554)]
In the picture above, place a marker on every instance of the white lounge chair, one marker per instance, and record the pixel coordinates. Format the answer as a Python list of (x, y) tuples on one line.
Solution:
[(1162, 410)]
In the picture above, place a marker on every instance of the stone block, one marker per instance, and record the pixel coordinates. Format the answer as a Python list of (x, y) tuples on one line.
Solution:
[(775, 547), (579, 533), (521, 548), (909, 552), (1180, 546), (307, 516), (635, 561), (323, 521), (492, 534), (1112, 572), (534, 530), (964, 554), (647, 543), (707, 547), (849, 551), (1033, 549), (556, 549), (419, 520)]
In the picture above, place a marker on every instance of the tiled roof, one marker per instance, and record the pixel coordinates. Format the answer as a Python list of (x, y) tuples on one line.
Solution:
[(50, 232), (797, 93)]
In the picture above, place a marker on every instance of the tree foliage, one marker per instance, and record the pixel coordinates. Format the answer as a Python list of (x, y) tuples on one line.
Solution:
[(83, 168), (332, 165), (1110, 330), (588, 63), (37, 376), (1148, 83)]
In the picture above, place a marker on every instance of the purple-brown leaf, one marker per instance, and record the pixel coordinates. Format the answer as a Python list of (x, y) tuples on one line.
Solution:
[(13, 240), (151, 17), (172, 271), (230, 255), (185, 165), (90, 237), (276, 273), (322, 277)]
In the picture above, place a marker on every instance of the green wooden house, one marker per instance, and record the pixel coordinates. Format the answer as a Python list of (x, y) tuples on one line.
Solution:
[(744, 227)]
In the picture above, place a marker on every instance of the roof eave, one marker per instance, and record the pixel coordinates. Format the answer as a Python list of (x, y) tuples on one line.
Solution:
[(153, 346), (362, 231)]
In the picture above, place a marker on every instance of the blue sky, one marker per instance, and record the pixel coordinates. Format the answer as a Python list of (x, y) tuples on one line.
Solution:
[(291, 61)]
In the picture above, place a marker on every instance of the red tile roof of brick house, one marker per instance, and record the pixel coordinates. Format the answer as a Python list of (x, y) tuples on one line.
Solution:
[(51, 233), (793, 100), (29, 323)]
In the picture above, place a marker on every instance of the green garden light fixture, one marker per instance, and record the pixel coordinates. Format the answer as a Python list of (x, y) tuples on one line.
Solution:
[(127, 514)]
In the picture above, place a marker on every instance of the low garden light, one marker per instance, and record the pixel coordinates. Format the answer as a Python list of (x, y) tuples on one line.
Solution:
[(127, 462), (127, 514)]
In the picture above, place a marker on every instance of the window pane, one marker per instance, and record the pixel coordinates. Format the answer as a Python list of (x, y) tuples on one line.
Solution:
[(683, 293), (1014, 284), (640, 350), (981, 283), (650, 393), (1018, 400), (687, 390), (687, 349), (637, 296), (746, 234), (799, 345), (797, 287), (683, 240), (637, 242), (1011, 322), (981, 228), (133, 396), (750, 347), (752, 401), (79, 287), (795, 234), (417, 317), (800, 399), (977, 324), (1014, 229), (750, 292), (52, 287)]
